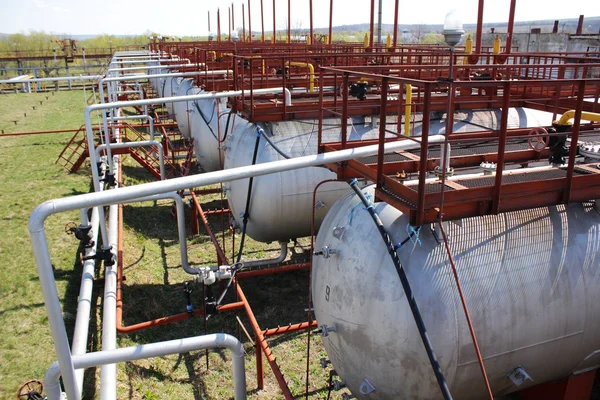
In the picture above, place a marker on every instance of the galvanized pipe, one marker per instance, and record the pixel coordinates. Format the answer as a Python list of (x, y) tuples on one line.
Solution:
[(142, 143), (160, 349), (97, 199), (108, 372), (55, 79), (256, 263), (84, 302)]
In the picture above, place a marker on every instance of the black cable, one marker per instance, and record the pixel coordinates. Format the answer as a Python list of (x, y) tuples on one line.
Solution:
[(245, 220), (407, 290), (207, 122)]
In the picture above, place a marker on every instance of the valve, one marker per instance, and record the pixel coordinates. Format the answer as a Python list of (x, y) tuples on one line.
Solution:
[(539, 139), (105, 254), (359, 90), (326, 329), (210, 304), (187, 289), (326, 252), (324, 362), (338, 385), (31, 390), (82, 233)]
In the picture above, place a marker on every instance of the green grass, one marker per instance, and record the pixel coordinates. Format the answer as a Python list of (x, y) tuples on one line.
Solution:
[(153, 286)]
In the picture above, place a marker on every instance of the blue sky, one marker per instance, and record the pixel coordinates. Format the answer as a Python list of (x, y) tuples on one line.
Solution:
[(185, 17)]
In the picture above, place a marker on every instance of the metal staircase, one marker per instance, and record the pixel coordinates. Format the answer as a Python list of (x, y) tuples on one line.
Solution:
[(75, 152)]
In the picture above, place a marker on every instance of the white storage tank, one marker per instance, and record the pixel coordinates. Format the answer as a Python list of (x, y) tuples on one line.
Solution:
[(531, 280), (281, 205)]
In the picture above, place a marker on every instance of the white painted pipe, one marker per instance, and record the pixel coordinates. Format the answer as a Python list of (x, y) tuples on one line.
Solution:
[(143, 143), (84, 303), (108, 372), (56, 79), (121, 104), (276, 260), (112, 70), (97, 199), (183, 252), (134, 117), (160, 349)]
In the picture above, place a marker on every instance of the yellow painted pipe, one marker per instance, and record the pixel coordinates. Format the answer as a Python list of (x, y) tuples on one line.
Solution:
[(497, 44), (366, 41), (214, 53), (569, 115), (388, 41), (407, 109), (263, 62), (469, 45), (311, 72)]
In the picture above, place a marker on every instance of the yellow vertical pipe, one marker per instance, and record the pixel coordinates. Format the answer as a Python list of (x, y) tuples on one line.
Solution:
[(497, 45), (366, 41), (388, 42), (469, 45), (407, 109)]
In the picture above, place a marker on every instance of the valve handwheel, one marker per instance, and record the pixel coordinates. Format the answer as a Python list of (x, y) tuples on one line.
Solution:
[(539, 139), (70, 228), (31, 390)]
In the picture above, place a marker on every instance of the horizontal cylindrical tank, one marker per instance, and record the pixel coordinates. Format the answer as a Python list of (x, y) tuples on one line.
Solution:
[(531, 280), (281, 206)]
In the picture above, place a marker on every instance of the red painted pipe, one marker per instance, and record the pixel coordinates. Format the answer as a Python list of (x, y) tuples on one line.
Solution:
[(372, 25), (511, 24), (249, 21), (264, 346), (274, 27), (262, 21), (396, 11), (289, 27), (290, 328), (243, 24), (331, 22), (479, 33), (272, 270), (218, 25), (310, 9)]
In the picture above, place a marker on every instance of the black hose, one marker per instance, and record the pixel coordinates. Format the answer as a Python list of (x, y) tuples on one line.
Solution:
[(407, 290), (277, 149), (207, 122), (249, 195), (245, 220)]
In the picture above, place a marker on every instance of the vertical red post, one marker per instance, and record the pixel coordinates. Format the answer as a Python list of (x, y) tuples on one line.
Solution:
[(229, 15), (232, 18), (262, 21), (396, 11), (580, 26), (310, 6), (243, 24), (330, 21), (218, 25), (289, 27), (479, 32), (372, 26), (249, 21), (501, 149), (382, 132), (423, 154), (274, 27), (511, 24)]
